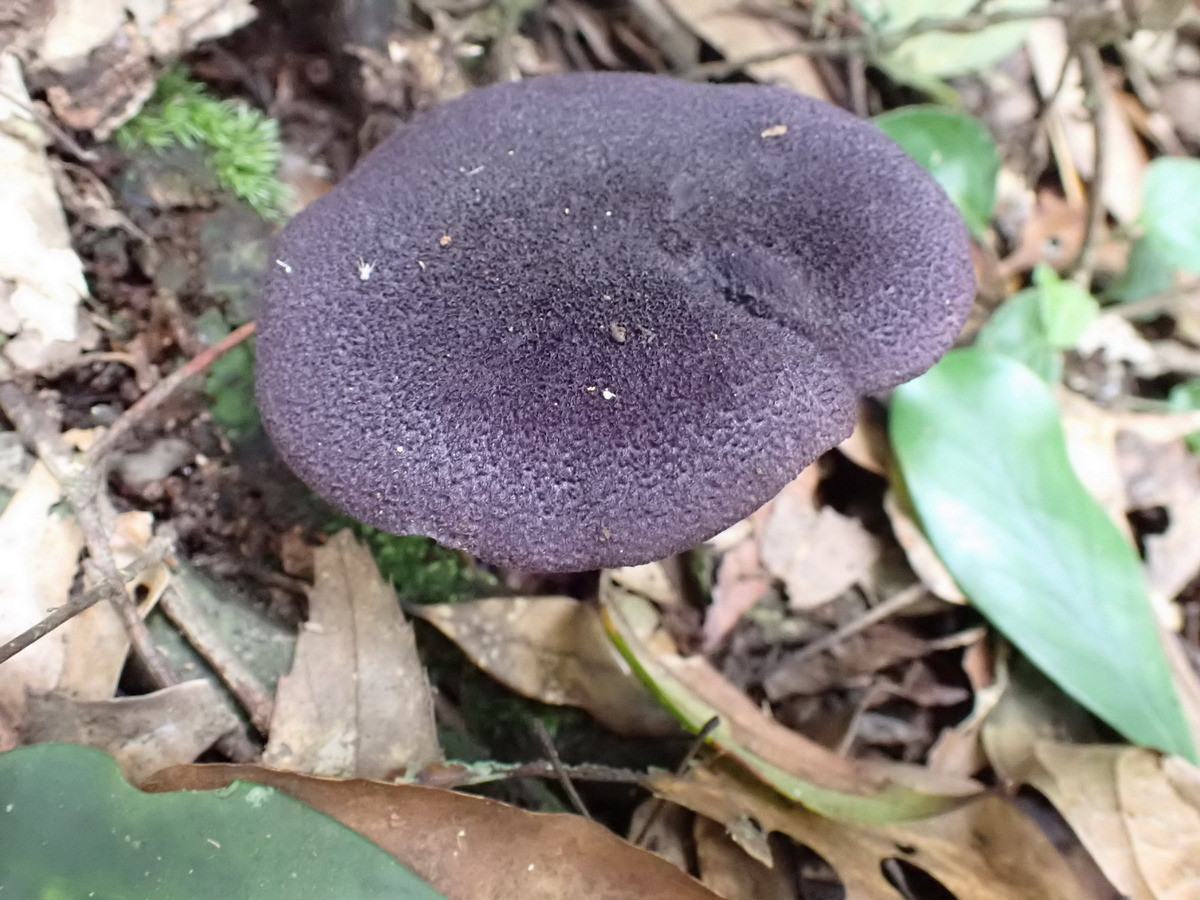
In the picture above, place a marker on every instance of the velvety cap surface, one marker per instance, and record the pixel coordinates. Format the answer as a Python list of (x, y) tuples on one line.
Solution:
[(591, 320)]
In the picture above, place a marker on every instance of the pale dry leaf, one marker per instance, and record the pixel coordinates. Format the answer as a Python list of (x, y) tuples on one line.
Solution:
[(1091, 435), (553, 649), (664, 829), (356, 701), (816, 551), (741, 581), (35, 247), (39, 555), (1069, 124), (985, 850), (145, 733), (732, 873), (737, 33), (921, 555), (470, 848), (1163, 826)]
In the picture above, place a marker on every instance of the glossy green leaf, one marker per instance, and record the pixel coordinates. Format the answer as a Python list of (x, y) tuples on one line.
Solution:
[(956, 149), (980, 446), (1170, 211), (71, 826), (1035, 325)]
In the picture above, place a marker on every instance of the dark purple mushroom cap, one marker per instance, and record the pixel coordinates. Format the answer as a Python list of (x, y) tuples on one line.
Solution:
[(592, 320)]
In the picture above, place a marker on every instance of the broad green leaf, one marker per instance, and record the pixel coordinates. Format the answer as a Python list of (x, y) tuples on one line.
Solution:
[(1185, 397), (1170, 211), (981, 450), (956, 150), (1146, 273), (71, 826), (942, 54), (1034, 325)]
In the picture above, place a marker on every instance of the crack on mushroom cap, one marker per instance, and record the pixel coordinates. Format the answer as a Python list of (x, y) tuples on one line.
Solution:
[(762, 285)]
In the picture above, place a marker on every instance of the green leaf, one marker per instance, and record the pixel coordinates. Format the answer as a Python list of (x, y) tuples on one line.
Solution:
[(1146, 273), (1185, 397), (942, 54), (1170, 211), (956, 150), (982, 453), (71, 826), (1034, 325)]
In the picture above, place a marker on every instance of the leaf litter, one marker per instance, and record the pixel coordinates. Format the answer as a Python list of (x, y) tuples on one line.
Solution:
[(919, 683)]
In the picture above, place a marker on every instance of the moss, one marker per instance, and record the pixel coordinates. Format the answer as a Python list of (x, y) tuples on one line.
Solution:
[(241, 143)]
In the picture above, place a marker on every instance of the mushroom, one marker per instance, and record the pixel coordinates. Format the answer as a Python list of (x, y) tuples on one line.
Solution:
[(591, 320)]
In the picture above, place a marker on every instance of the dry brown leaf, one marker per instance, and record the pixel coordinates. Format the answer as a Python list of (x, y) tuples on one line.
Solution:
[(356, 701), (921, 555), (1070, 128), (816, 551), (33, 529), (738, 33), (740, 583), (848, 664), (1137, 813), (470, 848), (144, 733), (41, 314), (985, 850), (553, 649), (731, 872)]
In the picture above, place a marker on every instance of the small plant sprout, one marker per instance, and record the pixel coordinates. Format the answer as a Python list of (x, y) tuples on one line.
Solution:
[(828, 261)]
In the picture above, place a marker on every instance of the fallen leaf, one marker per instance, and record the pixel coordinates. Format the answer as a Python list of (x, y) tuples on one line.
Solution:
[(552, 649), (799, 768), (738, 33), (816, 551), (741, 581), (357, 700), (145, 733), (1136, 812), (730, 871), (33, 527), (985, 850), (42, 312), (921, 556), (469, 848)]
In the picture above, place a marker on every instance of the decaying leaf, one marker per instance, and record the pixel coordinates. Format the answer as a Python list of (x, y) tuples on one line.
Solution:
[(40, 307), (470, 848), (1135, 811), (985, 850), (799, 768), (921, 555), (357, 701), (816, 551), (144, 733), (738, 33), (33, 527), (552, 649), (730, 871)]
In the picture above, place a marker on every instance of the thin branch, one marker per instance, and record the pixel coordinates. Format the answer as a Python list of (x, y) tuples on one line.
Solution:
[(556, 763), (873, 46), (77, 604), (889, 607), (155, 397), (1092, 71)]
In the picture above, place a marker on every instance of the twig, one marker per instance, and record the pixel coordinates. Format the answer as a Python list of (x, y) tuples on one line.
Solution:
[(694, 748), (154, 398), (1092, 71), (1156, 304), (878, 613), (242, 683), (51, 126), (77, 604), (453, 776), (82, 491), (874, 46), (556, 763)]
